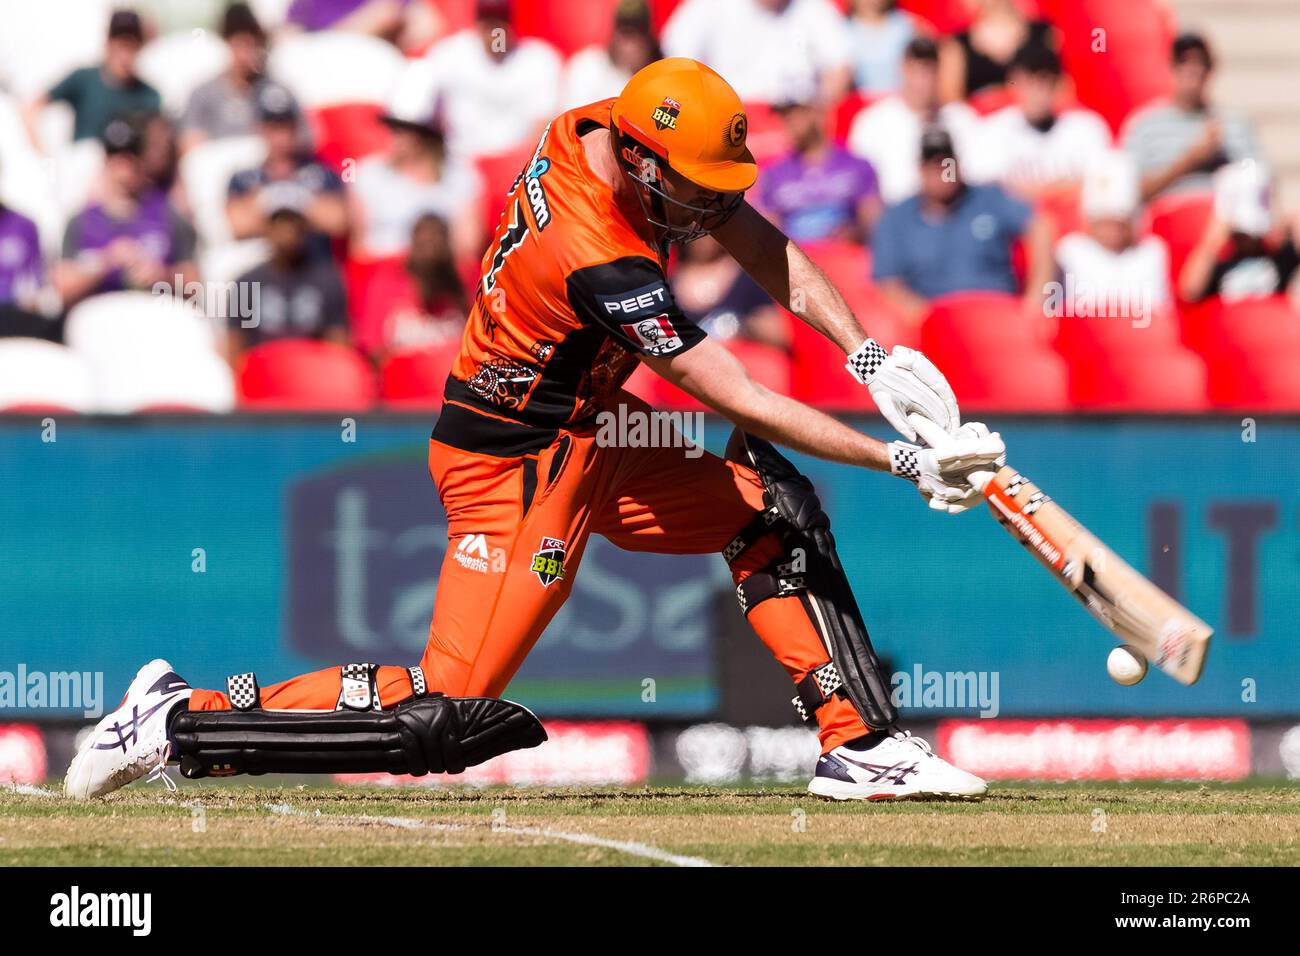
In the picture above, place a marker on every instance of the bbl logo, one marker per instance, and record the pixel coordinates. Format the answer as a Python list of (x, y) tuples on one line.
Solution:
[(665, 114), (548, 562)]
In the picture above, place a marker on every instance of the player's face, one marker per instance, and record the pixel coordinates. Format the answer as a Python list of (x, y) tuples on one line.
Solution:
[(693, 210)]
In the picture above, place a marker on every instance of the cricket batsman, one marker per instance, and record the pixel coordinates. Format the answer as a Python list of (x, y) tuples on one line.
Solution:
[(572, 296)]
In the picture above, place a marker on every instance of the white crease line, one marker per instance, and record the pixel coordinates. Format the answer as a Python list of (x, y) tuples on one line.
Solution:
[(643, 850), (27, 790)]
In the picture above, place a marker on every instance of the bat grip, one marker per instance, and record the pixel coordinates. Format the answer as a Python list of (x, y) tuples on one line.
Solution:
[(933, 435)]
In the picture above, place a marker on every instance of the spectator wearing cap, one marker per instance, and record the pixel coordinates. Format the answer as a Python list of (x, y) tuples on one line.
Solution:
[(295, 294), (878, 34), (497, 89), (1179, 144), (599, 72), (132, 237), (111, 90), (1238, 257), (1031, 146), (888, 132), (1108, 259), (421, 305), (820, 191), (286, 161), (415, 176), (955, 237), (226, 105), (978, 58), (765, 48)]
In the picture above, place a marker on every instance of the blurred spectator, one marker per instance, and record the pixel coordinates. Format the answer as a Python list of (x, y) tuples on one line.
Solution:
[(132, 237), (421, 305), (600, 72), (1178, 145), (160, 158), (415, 176), (768, 50), (1031, 146), (296, 294), (1109, 257), (498, 89), (878, 34), (979, 57), (111, 90), (821, 190), (286, 161), (409, 24), (955, 237), (226, 105), (888, 132), (722, 299), (1235, 258), (22, 279)]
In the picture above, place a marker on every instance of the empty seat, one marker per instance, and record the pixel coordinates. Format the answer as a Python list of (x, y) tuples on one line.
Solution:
[(206, 170), (1019, 378), (304, 375), (1179, 220), (1267, 381), (348, 131), (415, 379), (568, 25), (981, 321), (1253, 326), (40, 376), (1162, 379)]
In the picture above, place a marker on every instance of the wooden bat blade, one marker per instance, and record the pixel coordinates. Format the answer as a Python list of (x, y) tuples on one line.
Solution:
[(1124, 601)]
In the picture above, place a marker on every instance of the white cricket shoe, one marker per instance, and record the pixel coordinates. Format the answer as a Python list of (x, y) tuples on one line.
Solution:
[(130, 742), (899, 766)]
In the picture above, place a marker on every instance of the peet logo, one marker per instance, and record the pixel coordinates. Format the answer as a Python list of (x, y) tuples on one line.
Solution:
[(75, 908), (548, 562)]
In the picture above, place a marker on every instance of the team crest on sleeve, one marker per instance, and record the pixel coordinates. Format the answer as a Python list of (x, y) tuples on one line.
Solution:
[(548, 561), (656, 334)]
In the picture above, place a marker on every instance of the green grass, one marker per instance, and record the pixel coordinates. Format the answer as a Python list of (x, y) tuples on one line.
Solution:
[(232, 824)]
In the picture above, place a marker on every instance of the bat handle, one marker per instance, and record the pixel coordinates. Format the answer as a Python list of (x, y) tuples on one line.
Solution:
[(933, 435)]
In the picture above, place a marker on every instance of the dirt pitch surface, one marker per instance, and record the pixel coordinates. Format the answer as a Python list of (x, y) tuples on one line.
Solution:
[(1094, 825)]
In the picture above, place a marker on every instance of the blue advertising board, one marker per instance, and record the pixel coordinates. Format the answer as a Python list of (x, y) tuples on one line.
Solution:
[(280, 546)]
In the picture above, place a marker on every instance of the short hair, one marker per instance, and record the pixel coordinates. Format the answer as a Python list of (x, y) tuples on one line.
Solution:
[(125, 24), (1036, 59), (921, 48), (240, 20), (1186, 44)]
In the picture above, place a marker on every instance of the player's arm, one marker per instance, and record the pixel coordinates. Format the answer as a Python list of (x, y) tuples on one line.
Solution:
[(901, 382), (789, 276)]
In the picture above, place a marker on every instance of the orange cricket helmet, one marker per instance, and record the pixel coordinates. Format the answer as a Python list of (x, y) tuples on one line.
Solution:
[(679, 115)]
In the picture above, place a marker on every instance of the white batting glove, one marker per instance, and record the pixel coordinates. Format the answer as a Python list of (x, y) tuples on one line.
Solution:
[(942, 474), (904, 382), (974, 493)]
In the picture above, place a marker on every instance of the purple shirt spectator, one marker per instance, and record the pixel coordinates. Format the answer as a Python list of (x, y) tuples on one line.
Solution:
[(155, 226), (323, 14), (21, 270), (814, 200)]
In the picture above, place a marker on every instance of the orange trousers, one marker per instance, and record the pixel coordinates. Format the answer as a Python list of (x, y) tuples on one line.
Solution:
[(509, 567)]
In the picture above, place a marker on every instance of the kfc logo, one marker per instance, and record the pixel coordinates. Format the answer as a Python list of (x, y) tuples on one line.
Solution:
[(656, 335)]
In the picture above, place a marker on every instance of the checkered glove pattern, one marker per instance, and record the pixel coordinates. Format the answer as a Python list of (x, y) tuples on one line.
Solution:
[(866, 360)]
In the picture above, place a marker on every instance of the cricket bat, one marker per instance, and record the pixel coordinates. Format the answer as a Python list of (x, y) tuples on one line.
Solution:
[(1125, 602)]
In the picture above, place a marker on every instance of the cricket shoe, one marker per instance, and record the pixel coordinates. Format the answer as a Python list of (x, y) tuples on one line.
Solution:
[(131, 742), (899, 766)]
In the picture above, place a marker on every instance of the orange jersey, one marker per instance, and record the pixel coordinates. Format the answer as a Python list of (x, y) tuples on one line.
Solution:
[(572, 289)]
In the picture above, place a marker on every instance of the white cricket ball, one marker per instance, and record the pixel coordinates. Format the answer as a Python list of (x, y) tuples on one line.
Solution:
[(1126, 665)]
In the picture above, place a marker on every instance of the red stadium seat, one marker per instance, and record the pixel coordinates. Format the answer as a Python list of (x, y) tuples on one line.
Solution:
[(981, 321), (1163, 379), (415, 379), (568, 25), (1179, 220), (348, 131), (846, 111), (1020, 378), (499, 173), (767, 138), (304, 375), (1252, 326), (1264, 381), (1078, 335)]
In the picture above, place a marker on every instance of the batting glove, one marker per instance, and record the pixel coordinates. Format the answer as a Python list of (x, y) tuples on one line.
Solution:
[(904, 382), (942, 474)]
